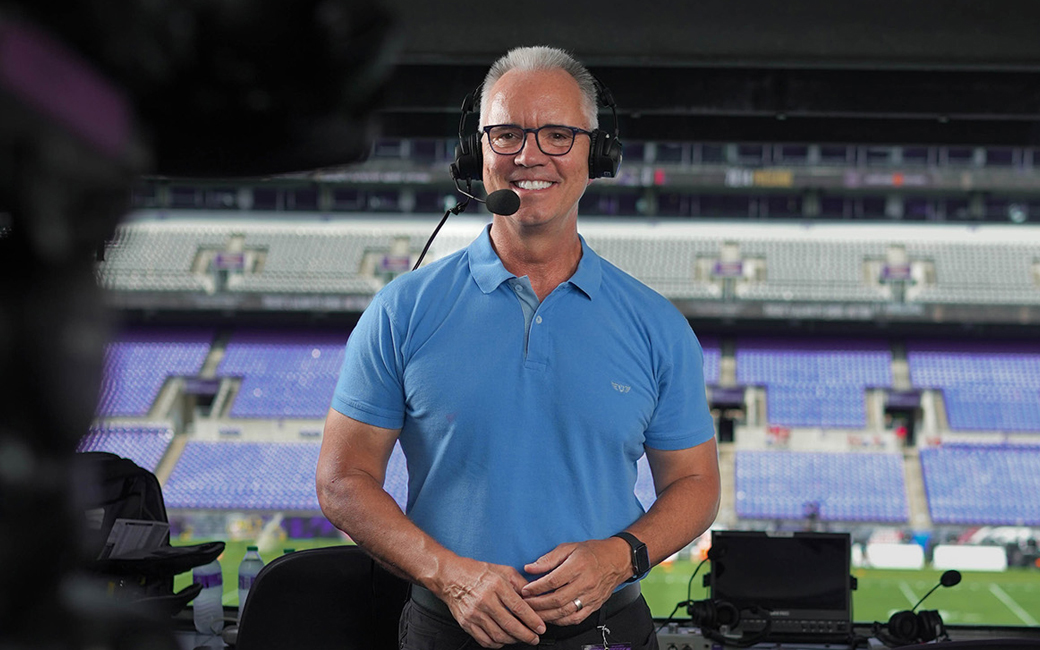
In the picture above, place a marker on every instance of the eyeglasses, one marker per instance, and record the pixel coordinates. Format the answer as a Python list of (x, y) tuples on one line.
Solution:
[(552, 139)]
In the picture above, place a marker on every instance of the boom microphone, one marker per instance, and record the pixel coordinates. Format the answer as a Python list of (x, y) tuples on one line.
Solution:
[(948, 579), (503, 202)]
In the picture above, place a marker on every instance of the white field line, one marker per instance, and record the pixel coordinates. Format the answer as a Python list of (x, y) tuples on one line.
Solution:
[(1012, 605), (905, 588)]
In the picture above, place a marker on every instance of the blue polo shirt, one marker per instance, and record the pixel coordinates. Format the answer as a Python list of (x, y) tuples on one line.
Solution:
[(523, 433)]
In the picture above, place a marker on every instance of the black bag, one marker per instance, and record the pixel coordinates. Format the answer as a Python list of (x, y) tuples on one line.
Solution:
[(116, 488)]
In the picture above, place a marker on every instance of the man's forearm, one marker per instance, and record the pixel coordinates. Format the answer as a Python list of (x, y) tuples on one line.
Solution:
[(682, 511), (360, 507)]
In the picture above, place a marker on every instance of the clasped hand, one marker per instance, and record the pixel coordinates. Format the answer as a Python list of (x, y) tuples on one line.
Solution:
[(497, 606)]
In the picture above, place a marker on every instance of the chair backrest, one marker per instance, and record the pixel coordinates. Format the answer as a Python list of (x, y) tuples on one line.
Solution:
[(336, 598)]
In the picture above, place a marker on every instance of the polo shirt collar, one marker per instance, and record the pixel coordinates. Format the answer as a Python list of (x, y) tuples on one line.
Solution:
[(489, 273)]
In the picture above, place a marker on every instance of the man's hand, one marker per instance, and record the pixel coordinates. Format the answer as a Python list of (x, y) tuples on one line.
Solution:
[(586, 571), (485, 600)]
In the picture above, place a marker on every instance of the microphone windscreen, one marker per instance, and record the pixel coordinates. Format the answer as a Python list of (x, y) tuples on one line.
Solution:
[(503, 202), (950, 578)]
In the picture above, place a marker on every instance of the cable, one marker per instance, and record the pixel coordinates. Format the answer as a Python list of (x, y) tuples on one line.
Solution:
[(685, 603), (459, 207)]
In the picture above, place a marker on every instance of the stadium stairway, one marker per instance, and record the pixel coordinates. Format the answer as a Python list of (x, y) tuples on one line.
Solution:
[(216, 353), (167, 398), (917, 498), (170, 458), (727, 516)]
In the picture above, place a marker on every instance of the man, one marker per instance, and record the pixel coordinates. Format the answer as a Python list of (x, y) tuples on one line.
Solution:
[(524, 377)]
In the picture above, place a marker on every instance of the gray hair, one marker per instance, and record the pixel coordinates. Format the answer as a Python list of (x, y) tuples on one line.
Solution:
[(543, 58)]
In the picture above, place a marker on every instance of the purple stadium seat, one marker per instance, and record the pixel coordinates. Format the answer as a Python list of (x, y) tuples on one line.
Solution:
[(986, 387), (284, 375), (983, 484), (814, 383), (859, 486), (138, 363)]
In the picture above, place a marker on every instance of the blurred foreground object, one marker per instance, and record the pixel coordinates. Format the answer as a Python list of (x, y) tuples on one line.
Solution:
[(92, 95)]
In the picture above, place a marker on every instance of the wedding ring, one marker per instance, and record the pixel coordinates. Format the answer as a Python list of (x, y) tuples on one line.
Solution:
[(577, 603)]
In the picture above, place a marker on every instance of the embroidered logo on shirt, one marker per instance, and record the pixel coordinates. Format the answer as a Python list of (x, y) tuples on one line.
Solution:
[(621, 388)]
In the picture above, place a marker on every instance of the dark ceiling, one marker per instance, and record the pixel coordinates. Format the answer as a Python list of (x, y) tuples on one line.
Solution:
[(922, 71)]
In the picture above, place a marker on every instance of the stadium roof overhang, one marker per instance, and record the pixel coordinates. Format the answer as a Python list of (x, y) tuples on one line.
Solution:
[(885, 71)]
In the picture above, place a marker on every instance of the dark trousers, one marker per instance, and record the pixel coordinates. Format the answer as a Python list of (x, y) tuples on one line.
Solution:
[(422, 629)]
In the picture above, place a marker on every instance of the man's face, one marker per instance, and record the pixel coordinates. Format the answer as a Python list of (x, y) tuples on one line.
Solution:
[(549, 186)]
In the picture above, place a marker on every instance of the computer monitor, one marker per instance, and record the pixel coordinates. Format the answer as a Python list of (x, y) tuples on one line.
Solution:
[(802, 579)]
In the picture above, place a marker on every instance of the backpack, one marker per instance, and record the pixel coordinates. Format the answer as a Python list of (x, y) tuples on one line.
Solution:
[(113, 488)]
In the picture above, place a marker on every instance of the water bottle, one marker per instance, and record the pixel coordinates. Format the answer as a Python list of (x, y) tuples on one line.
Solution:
[(208, 608), (247, 570)]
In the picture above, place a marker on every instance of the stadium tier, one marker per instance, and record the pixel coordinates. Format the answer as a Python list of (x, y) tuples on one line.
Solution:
[(143, 445), (813, 270), (986, 387), (283, 374), (159, 259), (137, 364), (247, 475), (991, 485), (818, 383), (696, 261), (979, 273), (666, 264), (859, 486), (256, 476)]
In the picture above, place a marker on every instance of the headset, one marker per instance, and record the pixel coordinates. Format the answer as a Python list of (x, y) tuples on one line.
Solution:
[(605, 150), (909, 628), (719, 619)]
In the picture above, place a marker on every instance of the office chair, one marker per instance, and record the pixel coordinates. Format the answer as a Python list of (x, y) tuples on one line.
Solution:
[(335, 598)]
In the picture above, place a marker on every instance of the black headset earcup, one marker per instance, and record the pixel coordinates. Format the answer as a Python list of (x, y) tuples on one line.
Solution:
[(702, 613), (929, 625), (712, 614), (904, 627), (469, 159), (604, 155), (726, 614)]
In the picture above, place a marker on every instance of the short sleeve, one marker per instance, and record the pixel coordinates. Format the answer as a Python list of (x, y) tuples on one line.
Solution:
[(682, 418), (370, 387)]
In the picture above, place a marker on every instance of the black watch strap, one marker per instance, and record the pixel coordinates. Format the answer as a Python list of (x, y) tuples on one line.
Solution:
[(640, 557)]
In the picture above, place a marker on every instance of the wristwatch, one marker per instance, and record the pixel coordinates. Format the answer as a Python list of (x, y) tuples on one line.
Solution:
[(640, 558)]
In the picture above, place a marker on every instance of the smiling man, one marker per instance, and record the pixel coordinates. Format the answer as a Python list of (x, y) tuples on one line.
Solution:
[(524, 377)]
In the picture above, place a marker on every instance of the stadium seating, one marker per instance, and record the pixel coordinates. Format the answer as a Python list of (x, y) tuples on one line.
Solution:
[(983, 485), (667, 264), (138, 362), (986, 387), (978, 273), (336, 257), (143, 445), (284, 374), (158, 256), (813, 270), (310, 260), (861, 486), (817, 383), (255, 476)]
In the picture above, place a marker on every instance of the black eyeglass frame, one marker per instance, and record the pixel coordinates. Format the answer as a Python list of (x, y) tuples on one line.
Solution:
[(523, 142)]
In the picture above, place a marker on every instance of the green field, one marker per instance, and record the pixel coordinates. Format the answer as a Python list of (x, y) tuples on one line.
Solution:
[(1010, 598)]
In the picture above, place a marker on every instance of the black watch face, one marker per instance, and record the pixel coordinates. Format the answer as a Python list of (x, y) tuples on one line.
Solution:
[(642, 559)]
